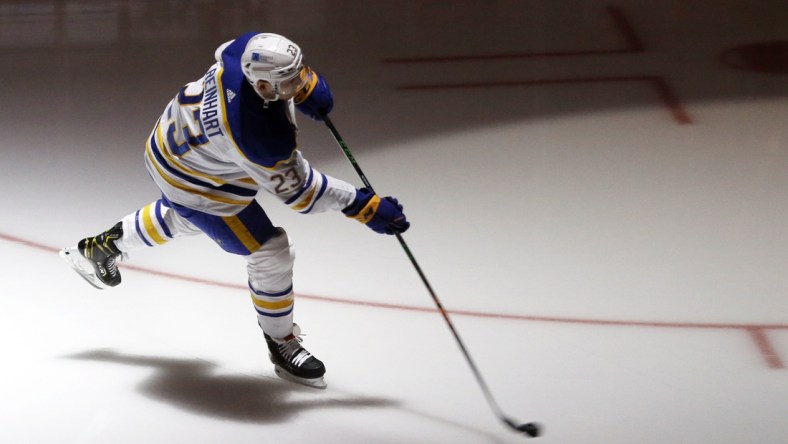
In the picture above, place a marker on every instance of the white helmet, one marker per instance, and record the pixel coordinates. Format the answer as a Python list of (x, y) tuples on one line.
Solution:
[(272, 58)]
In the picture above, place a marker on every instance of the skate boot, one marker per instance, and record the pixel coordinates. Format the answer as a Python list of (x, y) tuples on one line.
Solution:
[(293, 363), (94, 258)]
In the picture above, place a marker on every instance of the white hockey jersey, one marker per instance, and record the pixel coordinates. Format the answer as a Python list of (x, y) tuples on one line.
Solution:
[(217, 143)]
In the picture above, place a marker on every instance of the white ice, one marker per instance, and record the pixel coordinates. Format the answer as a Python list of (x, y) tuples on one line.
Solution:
[(542, 204)]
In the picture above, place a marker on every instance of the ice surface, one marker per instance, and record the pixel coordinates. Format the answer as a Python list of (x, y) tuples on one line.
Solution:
[(616, 274)]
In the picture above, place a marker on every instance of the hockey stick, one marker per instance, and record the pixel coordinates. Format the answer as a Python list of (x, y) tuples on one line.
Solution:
[(531, 429)]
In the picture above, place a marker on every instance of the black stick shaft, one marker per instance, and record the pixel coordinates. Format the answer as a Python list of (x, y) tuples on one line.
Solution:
[(487, 394), (347, 152)]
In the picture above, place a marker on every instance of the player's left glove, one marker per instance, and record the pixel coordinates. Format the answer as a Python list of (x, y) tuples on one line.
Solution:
[(383, 216), (315, 98)]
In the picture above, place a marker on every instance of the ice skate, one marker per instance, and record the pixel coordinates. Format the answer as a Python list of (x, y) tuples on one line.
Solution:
[(293, 363), (95, 258)]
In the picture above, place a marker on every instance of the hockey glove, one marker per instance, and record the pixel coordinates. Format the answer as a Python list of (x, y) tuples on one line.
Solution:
[(315, 98), (381, 215)]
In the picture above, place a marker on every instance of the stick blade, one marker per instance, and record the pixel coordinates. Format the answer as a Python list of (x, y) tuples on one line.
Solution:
[(532, 429)]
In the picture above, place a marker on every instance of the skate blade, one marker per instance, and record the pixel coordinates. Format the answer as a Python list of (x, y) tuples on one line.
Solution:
[(317, 383), (81, 266)]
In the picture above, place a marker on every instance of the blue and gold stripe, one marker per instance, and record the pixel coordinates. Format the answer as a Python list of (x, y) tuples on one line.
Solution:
[(150, 225), (243, 233), (200, 179), (323, 187), (272, 305), (184, 184), (309, 194)]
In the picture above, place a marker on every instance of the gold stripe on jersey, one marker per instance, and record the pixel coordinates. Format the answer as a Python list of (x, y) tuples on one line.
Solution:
[(269, 305), (174, 183), (225, 122), (306, 200), (213, 180), (150, 228), (242, 233)]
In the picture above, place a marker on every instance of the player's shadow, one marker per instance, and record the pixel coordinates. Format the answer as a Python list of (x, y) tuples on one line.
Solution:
[(194, 385)]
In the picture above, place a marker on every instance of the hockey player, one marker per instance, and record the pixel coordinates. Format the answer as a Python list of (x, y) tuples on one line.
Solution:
[(221, 139)]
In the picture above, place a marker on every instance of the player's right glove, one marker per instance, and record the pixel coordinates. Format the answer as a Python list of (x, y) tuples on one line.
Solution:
[(383, 216), (315, 98)]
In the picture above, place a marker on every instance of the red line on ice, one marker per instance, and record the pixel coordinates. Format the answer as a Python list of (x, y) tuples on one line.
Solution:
[(756, 331), (765, 346)]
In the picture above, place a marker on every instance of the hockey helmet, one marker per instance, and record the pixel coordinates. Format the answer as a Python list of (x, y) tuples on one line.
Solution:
[(272, 58)]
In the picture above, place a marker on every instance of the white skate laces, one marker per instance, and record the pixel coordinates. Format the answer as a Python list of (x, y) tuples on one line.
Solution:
[(291, 350), (112, 263), (112, 267)]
